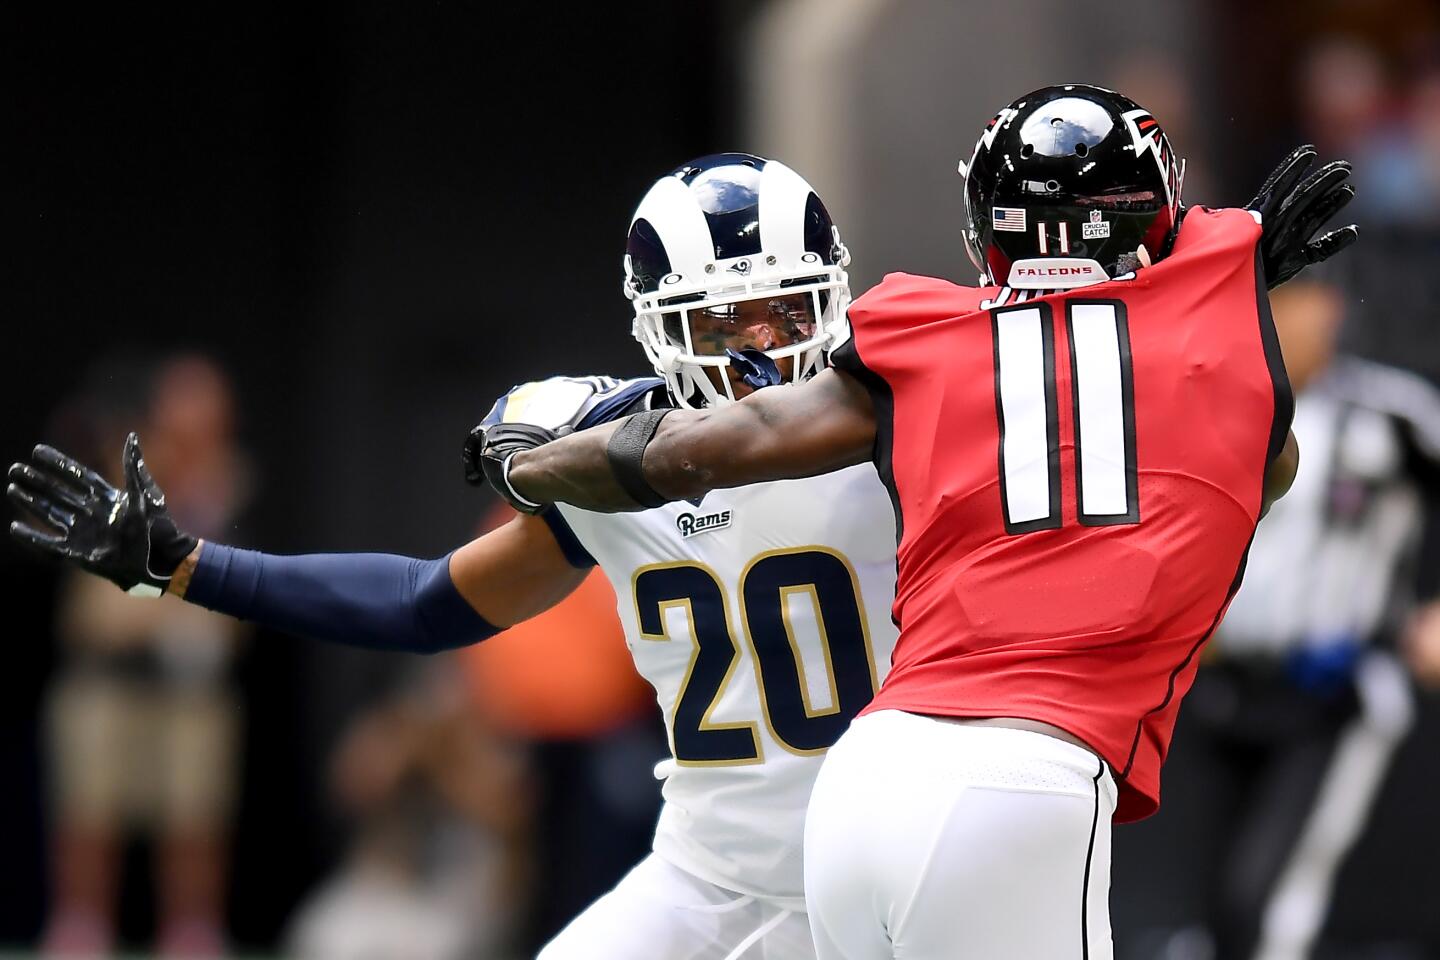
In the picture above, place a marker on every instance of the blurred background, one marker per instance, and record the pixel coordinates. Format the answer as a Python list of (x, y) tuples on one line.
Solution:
[(303, 247)]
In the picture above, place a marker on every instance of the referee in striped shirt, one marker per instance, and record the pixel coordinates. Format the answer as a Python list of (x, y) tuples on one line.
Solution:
[(1287, 736)]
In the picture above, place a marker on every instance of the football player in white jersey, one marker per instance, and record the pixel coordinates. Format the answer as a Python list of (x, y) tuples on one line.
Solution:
[(761, 615)]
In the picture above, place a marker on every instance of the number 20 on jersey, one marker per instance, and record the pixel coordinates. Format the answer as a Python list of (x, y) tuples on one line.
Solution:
[(768, 585)]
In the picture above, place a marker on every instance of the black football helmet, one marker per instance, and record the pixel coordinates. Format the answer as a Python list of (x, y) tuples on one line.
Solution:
[(1070, 185)]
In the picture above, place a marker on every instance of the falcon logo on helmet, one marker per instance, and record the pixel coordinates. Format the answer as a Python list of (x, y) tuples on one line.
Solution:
[(993, 127), (717, 243), (1147, 135), (1092, 174)]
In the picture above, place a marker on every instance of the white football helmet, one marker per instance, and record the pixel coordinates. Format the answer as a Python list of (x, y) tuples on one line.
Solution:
[(710, 238)]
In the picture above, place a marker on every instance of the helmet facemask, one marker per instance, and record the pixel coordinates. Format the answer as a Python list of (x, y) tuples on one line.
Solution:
[(736, 274), (789, 314)]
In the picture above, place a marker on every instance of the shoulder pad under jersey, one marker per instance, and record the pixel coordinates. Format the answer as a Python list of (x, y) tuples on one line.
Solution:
[(576, 402)]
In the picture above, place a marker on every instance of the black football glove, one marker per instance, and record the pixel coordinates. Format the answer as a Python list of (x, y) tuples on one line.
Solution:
[(126, 536), (1293, 210), (488, 450)]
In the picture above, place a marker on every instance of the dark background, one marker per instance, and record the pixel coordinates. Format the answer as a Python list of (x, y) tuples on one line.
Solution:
[(380, 218)]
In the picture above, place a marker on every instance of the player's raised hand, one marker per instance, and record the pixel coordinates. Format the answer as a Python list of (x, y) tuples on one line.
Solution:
[(1293, 207), (487, 454), (126, 536)]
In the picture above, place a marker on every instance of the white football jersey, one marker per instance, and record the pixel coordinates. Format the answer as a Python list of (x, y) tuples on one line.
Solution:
[(761, 616)]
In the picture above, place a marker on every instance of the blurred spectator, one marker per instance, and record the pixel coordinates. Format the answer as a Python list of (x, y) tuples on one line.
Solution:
[(142, 725), (1352, 105), (440, 866), (1425, 124), (1294, 719), (458, 853), (564, 674), (565, 682)]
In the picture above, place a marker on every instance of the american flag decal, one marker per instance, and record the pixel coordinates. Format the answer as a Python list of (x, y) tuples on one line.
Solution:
[(1009, 219)]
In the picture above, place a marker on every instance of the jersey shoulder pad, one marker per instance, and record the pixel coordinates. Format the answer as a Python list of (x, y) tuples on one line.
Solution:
[(1208, 230), (880, 321), (905, 299), (575, 402)]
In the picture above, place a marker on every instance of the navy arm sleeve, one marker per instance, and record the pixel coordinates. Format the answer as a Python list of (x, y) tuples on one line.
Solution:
[(361, 599)]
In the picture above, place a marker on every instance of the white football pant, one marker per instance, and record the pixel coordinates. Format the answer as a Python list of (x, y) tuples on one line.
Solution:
[(927, 839), (660, 912)]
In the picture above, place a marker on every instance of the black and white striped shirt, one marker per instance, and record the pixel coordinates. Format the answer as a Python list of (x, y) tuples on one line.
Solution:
[(1333, 563)]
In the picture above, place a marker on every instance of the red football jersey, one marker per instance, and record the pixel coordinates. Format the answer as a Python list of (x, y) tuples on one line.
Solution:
[(1077, 477)]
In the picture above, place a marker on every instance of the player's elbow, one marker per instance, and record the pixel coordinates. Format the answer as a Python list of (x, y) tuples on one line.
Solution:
[(692, 458), (439, 617), (679, 475)]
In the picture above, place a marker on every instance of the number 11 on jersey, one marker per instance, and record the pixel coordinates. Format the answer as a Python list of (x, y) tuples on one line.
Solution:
[(1102, 395)]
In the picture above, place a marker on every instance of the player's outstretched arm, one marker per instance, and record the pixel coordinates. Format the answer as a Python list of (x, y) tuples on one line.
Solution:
[(514, 572), (371, 600), (773, 434)]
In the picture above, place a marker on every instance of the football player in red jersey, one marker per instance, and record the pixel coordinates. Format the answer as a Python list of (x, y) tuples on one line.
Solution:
[(1078, 451)]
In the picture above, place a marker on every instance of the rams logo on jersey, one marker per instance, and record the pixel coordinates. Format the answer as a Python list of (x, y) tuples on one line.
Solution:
[(690, 525)]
